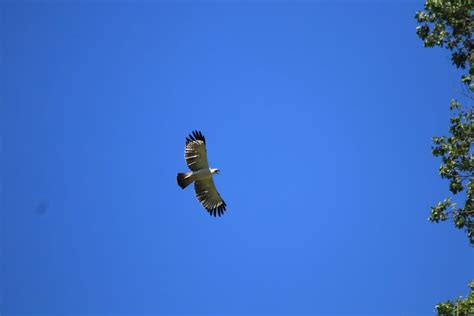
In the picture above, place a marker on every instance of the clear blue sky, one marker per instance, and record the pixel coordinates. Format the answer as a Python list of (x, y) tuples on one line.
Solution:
[(319, 116)]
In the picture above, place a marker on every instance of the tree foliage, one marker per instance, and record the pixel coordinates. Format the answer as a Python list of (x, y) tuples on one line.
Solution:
[(450, 24), (458, 167), (462, 307)]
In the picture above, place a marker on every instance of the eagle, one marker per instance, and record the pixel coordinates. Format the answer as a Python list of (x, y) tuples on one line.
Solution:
[(195, 156)]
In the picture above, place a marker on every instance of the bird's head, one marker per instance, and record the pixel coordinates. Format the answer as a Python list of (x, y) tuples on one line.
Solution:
[(216, 171)]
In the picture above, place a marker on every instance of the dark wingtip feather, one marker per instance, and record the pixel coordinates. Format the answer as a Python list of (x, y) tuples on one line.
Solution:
[(200, 136), (221, 209), (197, 135), (217, 210), (194, 136)]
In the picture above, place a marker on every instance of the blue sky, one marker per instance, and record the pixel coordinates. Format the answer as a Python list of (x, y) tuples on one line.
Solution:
[(319, 116)]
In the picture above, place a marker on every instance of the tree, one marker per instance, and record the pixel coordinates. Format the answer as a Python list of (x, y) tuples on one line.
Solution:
[(450, 24), (462, 307), (458, 167)]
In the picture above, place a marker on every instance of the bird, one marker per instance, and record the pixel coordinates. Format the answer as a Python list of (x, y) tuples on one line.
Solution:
[(195, 155)]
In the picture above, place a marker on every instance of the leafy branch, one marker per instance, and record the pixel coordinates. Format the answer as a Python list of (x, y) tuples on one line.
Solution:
[(450, 24), (462, 307), (457, 166)]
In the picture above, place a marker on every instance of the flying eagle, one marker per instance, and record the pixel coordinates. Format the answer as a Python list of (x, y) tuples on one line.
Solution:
[(196, 159)]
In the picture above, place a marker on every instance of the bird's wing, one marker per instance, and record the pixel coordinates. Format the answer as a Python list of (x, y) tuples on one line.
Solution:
[(195, 151), (207, 194)]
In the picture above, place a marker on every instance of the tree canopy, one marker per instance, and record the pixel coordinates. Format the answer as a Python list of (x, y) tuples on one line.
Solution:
[(449, 24), (461, 307)]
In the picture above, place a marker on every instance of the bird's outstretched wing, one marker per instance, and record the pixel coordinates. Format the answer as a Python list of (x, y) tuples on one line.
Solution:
[(207, 194), (195, 151)]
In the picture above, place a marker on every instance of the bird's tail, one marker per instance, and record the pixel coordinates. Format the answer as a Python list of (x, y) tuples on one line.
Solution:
[(185, 179)]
